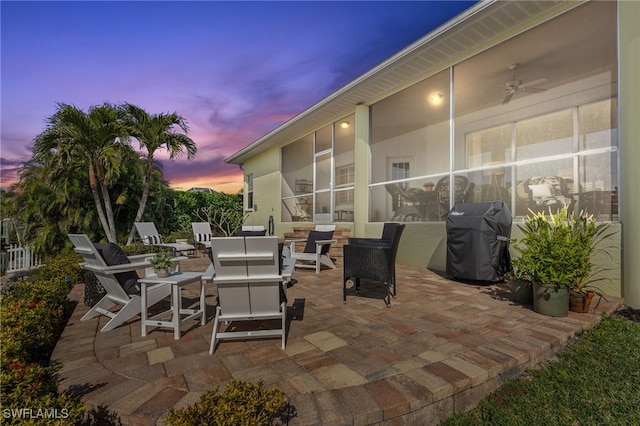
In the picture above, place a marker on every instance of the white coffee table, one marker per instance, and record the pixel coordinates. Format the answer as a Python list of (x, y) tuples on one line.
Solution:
[(177, 280)]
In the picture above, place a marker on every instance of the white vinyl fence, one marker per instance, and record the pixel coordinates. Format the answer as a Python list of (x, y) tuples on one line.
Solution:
[(21, 259)]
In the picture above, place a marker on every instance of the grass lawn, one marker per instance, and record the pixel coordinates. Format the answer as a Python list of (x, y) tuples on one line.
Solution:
[(595, 381)]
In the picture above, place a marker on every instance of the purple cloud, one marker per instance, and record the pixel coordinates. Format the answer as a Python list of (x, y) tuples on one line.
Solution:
[(234, 70)]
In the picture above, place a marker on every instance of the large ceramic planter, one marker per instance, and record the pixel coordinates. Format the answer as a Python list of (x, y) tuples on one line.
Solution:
[(551, 299), (579, 302), (522, 292)]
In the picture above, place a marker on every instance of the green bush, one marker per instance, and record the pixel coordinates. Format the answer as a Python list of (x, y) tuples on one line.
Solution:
[(558, 248), (33, 314), (242, 403)]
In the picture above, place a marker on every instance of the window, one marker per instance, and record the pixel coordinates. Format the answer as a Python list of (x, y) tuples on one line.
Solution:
[(250, 205), (551, 169), (343, 193), (318, 174)]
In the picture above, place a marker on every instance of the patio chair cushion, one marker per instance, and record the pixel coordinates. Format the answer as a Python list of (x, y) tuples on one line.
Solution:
[(152, 239), (314, 236), (113, 255), (209, 252), (201, 238), (242, 233)]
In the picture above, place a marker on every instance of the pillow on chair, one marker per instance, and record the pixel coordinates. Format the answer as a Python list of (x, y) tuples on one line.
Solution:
[(318, 236), (242, 233), (541, 190), (201, 238), (152, 239), (113, 255)]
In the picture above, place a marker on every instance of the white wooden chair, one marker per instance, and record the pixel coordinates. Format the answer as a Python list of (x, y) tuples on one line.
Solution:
[(202, 234), (256, 228), (251, 231), (249, 286), (108, 276), (316, 249), (150, 237)]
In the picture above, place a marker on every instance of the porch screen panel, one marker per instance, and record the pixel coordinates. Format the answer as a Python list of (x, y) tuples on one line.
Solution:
[(410, 139), (344, 174), (545, 135), (324, 139), (540, 132), (297, 180)]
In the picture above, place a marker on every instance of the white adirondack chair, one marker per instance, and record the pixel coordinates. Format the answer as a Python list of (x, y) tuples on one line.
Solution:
[(130, 304), (150, 237), (249, 286), (202, 234), (316, 249)]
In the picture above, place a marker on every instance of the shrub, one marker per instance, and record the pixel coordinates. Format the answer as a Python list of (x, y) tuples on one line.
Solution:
[(558, 248), (33, 314), (242, 403)]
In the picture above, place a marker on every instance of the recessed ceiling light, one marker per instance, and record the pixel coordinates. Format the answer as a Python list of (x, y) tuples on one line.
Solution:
[(436, 99)]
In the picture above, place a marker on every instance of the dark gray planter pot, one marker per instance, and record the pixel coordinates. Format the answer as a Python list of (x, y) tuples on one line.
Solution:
[(522, 292)]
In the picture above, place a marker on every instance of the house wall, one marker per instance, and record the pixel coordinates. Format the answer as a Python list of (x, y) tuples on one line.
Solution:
[(266, 187), (629, 54), (424, 244)]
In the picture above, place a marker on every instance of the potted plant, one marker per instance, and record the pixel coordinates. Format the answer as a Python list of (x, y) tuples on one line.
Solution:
[(521, 283), (161, 262), (556, 252), (591, 234)]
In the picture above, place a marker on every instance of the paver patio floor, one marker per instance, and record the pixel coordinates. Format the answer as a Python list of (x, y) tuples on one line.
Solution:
[(440, 348)]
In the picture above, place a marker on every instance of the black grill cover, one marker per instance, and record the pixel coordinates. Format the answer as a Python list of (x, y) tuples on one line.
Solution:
[(478, 241)]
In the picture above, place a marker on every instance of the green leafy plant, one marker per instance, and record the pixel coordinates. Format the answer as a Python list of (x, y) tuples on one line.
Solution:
[(242, 403), (33, 313), (161, 260), (558, 248)]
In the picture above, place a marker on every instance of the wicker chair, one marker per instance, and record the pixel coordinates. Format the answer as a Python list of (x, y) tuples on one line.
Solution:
[(373, 259)]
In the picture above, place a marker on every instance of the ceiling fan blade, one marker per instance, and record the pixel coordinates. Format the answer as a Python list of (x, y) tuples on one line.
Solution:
[(534, 89), (536, 82), (507, 99)]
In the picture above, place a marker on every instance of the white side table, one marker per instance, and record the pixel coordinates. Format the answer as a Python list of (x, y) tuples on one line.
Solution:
[(177, 280)]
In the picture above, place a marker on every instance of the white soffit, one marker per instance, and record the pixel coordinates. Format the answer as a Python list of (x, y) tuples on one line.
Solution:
[(472, 28)]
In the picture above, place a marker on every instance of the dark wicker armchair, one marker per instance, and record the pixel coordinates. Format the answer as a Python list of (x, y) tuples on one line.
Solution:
[(373, 259)]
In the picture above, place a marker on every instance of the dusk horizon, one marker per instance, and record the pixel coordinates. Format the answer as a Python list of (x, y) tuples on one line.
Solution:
[(233, 70)]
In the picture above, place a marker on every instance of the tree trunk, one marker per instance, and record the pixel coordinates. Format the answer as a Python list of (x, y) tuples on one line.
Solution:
[(96, 199), (143, 199), (112, 237)]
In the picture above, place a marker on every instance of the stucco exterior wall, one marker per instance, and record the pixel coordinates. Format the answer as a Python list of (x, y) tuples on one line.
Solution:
[(425, 245), (629, 53), (266, 187)]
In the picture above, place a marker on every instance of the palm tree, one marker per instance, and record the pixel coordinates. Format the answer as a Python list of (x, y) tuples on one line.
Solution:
[(44, 214), (153, 132), (92, 141)]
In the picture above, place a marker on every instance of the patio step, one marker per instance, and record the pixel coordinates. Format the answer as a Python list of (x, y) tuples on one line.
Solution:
[(341, 235)]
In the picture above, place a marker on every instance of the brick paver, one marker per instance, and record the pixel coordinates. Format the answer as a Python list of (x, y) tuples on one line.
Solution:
[(440, 348)]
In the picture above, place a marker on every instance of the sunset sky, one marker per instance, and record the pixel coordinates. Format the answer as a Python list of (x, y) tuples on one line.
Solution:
[(233, 70)]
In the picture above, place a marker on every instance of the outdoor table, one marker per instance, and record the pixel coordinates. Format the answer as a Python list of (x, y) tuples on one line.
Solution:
[(177, 280)]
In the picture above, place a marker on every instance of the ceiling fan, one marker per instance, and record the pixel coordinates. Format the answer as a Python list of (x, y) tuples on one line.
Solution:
[(514, 86)]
